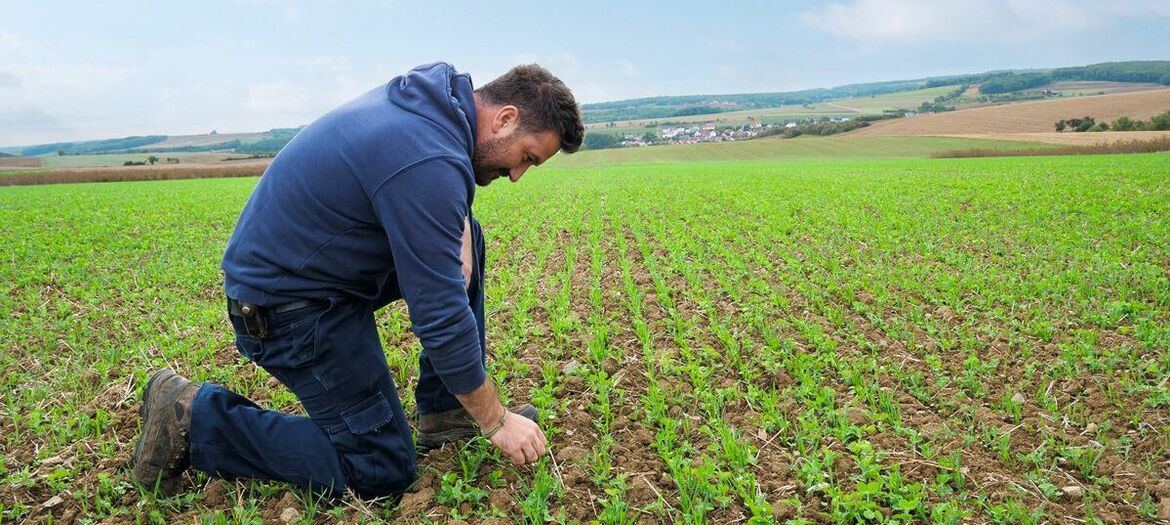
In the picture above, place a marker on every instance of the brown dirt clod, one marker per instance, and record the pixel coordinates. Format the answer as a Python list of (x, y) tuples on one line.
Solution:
[(502, 499), (571, 453), (415, 502), (781, 511), (215, 493), (1164, 509)]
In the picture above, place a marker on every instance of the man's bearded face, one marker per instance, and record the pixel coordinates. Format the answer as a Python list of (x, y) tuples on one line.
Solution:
[(487, 159)]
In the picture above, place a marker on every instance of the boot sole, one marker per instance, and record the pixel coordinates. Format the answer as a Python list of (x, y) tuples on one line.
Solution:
[(144, 415), (134, 456)]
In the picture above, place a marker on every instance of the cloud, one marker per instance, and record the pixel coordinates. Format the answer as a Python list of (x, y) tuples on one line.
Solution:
[(8, 80), (24, 126), (627, 68), (1143, 8), (16, 50), (525, 58), (726, 71), (10, 41), (73, 78), (293, 14), (971, 21), (276, 97), (589, 81), (337, 79), (561, 63)]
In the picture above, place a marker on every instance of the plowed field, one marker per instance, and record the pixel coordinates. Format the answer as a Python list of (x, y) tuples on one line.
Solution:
[(1025, 117)]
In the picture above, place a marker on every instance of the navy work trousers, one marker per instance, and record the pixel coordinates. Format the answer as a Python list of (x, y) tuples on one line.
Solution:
[(356, 436)]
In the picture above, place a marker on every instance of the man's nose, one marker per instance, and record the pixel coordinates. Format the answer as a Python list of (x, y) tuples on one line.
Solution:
[(517, 172)]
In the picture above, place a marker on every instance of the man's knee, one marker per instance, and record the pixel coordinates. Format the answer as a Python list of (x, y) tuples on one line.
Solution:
[(375, 474), (376, 449)]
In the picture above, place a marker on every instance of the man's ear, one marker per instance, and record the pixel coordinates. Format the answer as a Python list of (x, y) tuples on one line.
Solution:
[(506, 117)]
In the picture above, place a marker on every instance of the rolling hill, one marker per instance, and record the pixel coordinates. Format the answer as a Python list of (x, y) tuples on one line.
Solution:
[(1024, 117), (991, 83)]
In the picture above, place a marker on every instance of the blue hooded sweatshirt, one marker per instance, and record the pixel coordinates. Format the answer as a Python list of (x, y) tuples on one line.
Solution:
[(367, 203)]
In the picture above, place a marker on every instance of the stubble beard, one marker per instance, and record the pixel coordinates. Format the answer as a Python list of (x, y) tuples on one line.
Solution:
[(482, 160)]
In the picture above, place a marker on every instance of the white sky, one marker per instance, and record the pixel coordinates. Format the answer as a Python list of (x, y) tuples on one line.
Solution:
[(91, 70)]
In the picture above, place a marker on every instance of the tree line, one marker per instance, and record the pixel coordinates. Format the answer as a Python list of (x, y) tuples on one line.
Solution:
[(92, 146), (1151, 71), (939, 104), (1160, 122), (272, 143)]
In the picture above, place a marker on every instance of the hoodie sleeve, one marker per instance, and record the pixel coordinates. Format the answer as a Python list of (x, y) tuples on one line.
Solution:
[(422, 210)]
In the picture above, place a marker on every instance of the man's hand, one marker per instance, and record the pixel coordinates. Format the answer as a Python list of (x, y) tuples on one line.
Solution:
[(465, 253), (520, 438)]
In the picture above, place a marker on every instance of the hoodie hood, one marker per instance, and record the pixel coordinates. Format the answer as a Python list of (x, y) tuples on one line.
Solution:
[(438, 93)]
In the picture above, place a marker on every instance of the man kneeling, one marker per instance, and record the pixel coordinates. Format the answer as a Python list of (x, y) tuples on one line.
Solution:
[(369, 204)]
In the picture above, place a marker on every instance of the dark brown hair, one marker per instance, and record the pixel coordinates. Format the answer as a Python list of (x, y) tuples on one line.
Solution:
[(545, 103)]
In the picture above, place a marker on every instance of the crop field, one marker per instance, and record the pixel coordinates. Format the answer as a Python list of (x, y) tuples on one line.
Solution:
[(838, 341), (18, 163), (776, 114), (778, 149), (116, 159), (1025, 117), (1092, 87), (875, 105), (247, 168), (180, 141), (768, 149)]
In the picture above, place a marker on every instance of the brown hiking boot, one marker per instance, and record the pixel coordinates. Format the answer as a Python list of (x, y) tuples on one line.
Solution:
[(161, 454), (435, 430)]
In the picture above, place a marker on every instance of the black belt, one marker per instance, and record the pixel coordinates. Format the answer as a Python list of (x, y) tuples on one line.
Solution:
[(254, 315), (238, 307)]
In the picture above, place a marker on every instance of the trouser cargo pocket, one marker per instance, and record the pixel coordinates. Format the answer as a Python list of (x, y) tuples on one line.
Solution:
[(376, 455), (369, 415)]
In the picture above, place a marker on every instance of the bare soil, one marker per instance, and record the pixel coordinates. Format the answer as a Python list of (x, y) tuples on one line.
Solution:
[(20, 163)]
